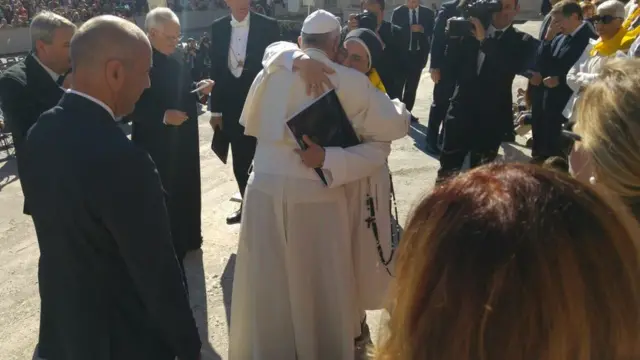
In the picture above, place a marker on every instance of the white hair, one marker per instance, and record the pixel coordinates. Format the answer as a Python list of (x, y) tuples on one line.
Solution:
[(45, 24), (612, 7), (160, 16)]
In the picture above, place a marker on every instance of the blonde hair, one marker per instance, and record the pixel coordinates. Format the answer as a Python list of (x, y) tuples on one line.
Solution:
[(513, 261), (608, 119)]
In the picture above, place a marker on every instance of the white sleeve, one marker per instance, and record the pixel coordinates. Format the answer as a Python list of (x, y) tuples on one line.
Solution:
[(280, 55), (383, 119), (353, 163), (577, 79)]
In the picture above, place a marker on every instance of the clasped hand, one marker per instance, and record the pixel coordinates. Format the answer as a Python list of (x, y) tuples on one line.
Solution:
[(313, 156)]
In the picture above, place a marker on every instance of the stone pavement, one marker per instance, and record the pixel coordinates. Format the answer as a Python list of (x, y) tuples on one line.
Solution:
[(210, 271)]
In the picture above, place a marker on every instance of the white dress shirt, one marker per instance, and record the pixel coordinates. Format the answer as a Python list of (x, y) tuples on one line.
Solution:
[(91, 98), (238, 45), (491, 31), (417, 10)]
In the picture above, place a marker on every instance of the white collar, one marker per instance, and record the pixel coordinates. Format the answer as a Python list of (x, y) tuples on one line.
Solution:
[(91, 98), (51, 73), (492, 29), (243, 23)]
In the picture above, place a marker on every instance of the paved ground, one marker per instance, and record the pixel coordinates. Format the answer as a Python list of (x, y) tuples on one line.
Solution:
[(210, 271)]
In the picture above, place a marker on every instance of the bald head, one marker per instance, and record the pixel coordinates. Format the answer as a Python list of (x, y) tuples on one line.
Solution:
[(105, 38)]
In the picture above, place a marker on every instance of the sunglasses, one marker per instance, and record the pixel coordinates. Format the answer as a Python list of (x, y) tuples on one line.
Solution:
[(605, 19)]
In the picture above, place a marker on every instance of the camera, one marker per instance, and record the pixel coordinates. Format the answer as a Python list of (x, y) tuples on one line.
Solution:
[(480, 9), (367, 20)]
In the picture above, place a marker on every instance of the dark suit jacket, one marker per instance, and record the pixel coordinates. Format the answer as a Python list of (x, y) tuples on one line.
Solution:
[(110, 284), (174, 149), (229, 94), (555, 58), (400, 17), (544, 26), (482, 103), (440, 39), (395, 58), (26, 91)]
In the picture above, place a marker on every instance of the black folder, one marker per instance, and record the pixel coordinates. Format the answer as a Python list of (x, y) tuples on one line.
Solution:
[(326, 123), (220, 145)]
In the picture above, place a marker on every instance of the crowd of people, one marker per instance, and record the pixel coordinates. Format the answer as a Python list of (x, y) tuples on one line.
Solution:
[(20, 12), (500, 261)]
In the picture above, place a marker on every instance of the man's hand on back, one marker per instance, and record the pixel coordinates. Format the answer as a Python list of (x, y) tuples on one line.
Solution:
[(314, 74)]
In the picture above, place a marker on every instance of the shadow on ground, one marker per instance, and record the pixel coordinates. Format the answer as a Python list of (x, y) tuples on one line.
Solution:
[(8, 172), (226, 282), (194, 269)]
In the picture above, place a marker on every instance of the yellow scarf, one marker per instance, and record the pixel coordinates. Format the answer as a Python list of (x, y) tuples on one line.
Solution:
[(376, 81), (631, 18), (622, 40)]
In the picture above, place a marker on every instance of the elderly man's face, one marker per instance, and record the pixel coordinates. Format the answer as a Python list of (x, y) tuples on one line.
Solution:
[(56, 54), (166, 37)]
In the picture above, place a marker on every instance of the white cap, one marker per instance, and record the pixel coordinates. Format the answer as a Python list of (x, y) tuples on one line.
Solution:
[(611, 7), (320, 22)]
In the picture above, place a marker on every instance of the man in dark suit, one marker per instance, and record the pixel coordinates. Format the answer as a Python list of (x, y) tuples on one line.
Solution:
[(484, 67), (33, 86), (165, 124), (417, 23), (564, 42), (238, 42), (395, 56), (110, 284), (441, 76)]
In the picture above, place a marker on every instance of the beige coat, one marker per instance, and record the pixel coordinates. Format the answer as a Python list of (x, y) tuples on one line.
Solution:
[(294, 292)]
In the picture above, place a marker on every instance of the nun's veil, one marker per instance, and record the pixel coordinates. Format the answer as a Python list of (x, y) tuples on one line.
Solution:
[(371, 43)]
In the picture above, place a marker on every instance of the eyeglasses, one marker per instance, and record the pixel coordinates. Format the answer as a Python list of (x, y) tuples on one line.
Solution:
[(605, 19), (173, 38)]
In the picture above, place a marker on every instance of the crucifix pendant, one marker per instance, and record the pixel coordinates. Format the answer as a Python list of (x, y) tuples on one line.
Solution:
[(240, 63)]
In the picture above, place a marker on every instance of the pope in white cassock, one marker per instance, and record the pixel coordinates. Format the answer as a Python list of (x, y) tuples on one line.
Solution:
[(294, 294)]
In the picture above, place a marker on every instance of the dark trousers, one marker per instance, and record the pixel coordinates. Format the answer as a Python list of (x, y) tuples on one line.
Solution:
[(411, 81), (442, 93), (242, 150), (546, 128), (460, 139)]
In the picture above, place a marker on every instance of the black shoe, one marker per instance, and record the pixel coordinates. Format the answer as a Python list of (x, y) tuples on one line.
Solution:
[(235, 217)]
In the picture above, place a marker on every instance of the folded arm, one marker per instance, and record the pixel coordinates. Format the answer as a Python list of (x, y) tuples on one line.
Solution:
[(576, 79), (353, 163), (382, 119)]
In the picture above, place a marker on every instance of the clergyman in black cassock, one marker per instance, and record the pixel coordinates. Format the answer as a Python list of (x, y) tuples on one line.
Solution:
[(238, 42), (174, 148), (110, 284)]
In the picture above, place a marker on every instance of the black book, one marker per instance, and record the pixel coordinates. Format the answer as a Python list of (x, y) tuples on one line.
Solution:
[(326, 123)]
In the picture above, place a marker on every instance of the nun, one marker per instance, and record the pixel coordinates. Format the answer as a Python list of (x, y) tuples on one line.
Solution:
[(362, 51)]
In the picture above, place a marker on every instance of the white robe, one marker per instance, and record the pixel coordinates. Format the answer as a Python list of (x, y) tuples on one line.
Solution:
[(294, 290), (372, 178)]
